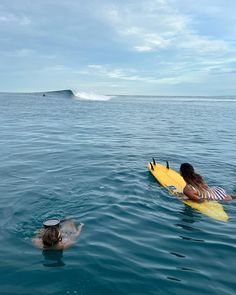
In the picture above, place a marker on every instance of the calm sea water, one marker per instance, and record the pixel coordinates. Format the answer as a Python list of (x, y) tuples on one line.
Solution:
[(87, 159)]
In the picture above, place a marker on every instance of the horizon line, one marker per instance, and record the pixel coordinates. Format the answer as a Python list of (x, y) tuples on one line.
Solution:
[(137, 95)]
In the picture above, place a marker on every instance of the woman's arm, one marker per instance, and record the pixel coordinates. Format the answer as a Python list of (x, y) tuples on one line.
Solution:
[(192, 194)]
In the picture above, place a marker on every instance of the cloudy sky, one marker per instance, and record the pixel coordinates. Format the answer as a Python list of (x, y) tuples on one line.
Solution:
[(154, 47)]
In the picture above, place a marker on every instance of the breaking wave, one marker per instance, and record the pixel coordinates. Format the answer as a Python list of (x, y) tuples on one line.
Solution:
[(91, 96), (67, 93)]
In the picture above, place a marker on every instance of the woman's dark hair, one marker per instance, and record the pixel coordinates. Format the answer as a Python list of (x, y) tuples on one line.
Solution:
[(192, 178)]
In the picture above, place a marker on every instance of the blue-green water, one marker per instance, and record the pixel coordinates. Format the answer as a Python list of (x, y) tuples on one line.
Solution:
[(87, 159)]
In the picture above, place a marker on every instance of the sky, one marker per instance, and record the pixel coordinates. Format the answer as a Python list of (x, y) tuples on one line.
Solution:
[(149, 47)]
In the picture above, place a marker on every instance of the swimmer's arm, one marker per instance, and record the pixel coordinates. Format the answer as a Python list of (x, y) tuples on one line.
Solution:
[(71, 240), (37, 242), (79, 229), (192, 194)]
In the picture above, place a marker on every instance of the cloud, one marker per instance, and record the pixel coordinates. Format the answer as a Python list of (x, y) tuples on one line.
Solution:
[(23, 53), (143, 48), (133, 75), (146, 26), (201, 43), (156, 25), (20, 53), (19, 20)]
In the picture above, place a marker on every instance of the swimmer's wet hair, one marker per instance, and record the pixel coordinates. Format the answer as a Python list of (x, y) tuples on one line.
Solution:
[(51, 236)]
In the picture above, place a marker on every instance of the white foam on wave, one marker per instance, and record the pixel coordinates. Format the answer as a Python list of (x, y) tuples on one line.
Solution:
[(91, 96)]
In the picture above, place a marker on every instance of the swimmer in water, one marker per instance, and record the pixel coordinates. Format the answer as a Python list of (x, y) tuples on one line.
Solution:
[(57, 235), (196, 188)]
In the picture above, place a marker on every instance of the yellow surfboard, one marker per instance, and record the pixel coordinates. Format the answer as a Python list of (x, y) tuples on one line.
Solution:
[(174, 183)]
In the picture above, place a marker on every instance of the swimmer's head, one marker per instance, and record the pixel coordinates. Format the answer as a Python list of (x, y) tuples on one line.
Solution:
[(51, 233), (51, 236)]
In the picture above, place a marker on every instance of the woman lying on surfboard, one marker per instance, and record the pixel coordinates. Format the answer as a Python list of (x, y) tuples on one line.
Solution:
[(57, 235), (196, 188)]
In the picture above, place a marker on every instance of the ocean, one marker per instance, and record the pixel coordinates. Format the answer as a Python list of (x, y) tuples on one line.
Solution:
[(85, 157)]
